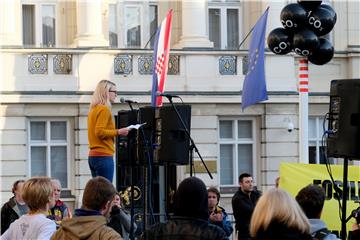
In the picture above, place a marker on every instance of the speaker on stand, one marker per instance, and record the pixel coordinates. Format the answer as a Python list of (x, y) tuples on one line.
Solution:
[(126, 145), (344, 131), (172, 143), (344, 119)]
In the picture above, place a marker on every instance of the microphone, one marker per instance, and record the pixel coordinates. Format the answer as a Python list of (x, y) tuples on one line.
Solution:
[(123, 100), (167, 95)]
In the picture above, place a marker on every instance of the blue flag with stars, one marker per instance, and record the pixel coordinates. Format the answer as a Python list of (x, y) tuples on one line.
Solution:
[(254, 87)]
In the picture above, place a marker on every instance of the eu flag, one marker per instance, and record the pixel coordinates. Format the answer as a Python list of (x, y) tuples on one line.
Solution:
[(254, 87)]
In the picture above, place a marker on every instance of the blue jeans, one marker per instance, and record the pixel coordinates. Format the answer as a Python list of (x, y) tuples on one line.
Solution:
[(102, 166)]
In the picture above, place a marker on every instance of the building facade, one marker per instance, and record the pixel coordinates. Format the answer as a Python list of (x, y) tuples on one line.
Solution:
[(53, 53)]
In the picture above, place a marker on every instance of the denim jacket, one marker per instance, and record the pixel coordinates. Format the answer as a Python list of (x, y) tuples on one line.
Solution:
[(225, 224)]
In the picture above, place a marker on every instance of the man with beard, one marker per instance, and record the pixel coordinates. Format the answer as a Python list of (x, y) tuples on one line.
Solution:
[(243, 204)]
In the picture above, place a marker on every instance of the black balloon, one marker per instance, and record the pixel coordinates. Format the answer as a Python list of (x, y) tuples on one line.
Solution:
[(293, 16), (309, 5), (323, 54), (331, 10), (305, 42), (279, 41), (322, 20)]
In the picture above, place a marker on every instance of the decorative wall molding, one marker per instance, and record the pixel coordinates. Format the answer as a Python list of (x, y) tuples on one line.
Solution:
[(62, 64), (146, 64), (38, 63), (174, 65), (227, 65), (123, 64)]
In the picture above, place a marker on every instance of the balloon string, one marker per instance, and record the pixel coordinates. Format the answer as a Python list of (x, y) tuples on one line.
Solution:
[(247, 35)]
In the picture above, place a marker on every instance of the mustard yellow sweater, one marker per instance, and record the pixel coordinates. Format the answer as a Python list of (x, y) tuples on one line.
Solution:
[(101, 130)]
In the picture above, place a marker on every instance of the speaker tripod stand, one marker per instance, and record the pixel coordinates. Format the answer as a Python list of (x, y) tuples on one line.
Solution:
[(345, 196), (192, 143)]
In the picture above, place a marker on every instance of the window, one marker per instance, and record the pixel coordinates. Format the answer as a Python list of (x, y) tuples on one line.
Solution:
[(153, 23), (140, 24), (133, 26), (28, 25), (236, 149), (113, 36), (39, 21), (49, 149), (316, 131), (48, 25), (224, 22)]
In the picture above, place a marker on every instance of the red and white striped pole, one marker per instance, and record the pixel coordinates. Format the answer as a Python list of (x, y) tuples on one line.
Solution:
[(303, 110)]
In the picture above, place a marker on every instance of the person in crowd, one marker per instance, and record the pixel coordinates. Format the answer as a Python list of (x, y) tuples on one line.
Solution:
[(191, 214), (243, 204), (120, 220), (278, 216), (89, 222), (38, 195), (217, 214), (101, 130), (59, 211), (311, 199), (277, 182), (355, 231), (14, 208)]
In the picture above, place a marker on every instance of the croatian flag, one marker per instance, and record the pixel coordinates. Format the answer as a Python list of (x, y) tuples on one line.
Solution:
[(161, 59)]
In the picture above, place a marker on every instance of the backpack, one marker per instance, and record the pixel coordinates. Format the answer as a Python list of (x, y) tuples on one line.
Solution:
[(320, 234)]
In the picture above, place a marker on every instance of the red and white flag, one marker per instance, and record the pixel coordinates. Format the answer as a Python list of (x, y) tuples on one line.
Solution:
[(161, 59)]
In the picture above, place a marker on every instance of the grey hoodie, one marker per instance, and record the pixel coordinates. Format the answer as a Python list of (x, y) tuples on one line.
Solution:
[(317, 224)]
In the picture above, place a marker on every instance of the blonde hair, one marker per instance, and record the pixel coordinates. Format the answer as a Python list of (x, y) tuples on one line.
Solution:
[(277, 205), (101, 94), (37, 193)]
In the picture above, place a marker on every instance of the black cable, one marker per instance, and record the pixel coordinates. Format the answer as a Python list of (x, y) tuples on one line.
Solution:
[(328, 165)]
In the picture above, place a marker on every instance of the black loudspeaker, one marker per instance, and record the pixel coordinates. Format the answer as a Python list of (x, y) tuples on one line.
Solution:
[(344, 119), (126, 146), (171, 140)]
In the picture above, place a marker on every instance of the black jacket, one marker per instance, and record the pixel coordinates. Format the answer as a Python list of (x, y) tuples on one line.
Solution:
[(277, 231), (9, 213), (191, 214), (243, 206), (181, 228)]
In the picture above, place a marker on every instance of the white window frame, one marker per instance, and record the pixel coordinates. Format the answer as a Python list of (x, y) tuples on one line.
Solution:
[(142, 27), (224, 6), (48, 144), (235, 141), (121, 9), (317, 138), (116, 21), (38, 20)]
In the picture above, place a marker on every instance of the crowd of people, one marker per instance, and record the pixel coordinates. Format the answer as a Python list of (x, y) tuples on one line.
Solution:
[(36, 211)]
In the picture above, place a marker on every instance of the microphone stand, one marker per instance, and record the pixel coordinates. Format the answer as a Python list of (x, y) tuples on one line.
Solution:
[(192, 145)]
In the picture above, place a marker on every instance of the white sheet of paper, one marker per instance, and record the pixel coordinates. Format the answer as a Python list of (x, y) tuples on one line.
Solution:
[(136, 126)]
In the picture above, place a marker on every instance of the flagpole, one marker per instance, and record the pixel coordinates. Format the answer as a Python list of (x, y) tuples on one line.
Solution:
[(303, 110), (152, 36), (247, 35)]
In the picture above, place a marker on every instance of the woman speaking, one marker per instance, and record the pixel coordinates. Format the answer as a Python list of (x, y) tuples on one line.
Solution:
[(102, 131)]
